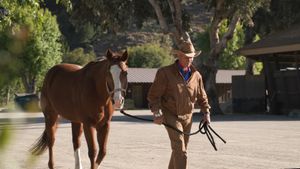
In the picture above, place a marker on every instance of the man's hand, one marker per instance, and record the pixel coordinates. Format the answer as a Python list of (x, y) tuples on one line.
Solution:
[(206, 117), (158, 118)]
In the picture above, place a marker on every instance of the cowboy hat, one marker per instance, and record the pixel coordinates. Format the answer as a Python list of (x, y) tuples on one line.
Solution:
[(186, 48)]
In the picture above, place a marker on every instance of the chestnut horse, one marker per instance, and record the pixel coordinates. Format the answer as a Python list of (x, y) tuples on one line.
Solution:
[(87, 97)]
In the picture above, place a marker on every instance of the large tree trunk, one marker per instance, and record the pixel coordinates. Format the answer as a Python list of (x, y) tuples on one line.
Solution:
[(29, 84), (249, 67), (249, 37), (209, 72), (175, 30), (8, 95), (217, 45), (212, 93)]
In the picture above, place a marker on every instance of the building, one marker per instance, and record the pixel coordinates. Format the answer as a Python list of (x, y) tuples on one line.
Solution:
[(140, 80), (280, 54)]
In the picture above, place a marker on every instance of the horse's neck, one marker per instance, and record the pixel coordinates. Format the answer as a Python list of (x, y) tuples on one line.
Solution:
[(96, 72), (96, 69)]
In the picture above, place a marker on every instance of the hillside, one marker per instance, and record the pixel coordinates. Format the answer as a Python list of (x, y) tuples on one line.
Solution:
[(199, 17)]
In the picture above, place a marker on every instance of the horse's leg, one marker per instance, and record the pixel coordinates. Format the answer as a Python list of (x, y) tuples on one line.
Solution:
[(76, 133), (102, 133), (51, 126), (90, 136)]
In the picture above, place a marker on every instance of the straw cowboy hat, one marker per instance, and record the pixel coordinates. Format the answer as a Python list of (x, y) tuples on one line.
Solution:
[(186, 48)]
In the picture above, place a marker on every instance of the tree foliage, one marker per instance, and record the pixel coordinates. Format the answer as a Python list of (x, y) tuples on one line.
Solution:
[(280, 15), (88, 21), (78, 56), (29, 43), (233, 12), (284, 13), (171, 18), (149, 56), (228, 58), (113, 16)]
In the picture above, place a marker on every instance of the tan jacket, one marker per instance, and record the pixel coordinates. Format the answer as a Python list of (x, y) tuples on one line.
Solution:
[(170, 93)]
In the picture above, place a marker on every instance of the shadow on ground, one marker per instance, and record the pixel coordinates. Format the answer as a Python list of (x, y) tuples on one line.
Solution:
[(196, 118), (228, 117)]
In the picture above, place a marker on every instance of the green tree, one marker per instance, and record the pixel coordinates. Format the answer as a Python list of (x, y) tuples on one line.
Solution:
[(82, 22), (228, 58), (171, 19), (149, 56), (280, 15), (234, 11), (90, 20), (78, 56), (30, 41)]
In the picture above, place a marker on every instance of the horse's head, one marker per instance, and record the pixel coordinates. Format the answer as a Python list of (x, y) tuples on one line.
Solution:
[(117, 84)]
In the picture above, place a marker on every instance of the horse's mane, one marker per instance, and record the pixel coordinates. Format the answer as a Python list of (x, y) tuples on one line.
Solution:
[(93, 63), (100, 64)]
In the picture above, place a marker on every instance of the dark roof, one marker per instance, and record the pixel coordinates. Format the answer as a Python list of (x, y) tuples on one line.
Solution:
[(147, 75), (279, 42)]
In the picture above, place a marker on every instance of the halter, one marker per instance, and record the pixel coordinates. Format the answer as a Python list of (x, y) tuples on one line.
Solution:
[(116, 90), (120, 87)]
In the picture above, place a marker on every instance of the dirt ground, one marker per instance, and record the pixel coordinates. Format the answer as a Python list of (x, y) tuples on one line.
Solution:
[(253, 142)]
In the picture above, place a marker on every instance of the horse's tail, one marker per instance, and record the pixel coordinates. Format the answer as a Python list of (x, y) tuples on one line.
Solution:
[(40, 145)]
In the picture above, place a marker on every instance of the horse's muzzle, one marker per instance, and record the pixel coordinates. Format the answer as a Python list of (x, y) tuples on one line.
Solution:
[(119, 103)]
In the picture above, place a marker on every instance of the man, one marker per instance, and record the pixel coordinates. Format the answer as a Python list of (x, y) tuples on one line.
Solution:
[(174, 91)]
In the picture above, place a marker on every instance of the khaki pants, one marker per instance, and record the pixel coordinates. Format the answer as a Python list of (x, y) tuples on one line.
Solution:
[(179, 141)]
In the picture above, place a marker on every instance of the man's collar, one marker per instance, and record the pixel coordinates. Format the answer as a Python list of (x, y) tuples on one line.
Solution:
[(182, 68)]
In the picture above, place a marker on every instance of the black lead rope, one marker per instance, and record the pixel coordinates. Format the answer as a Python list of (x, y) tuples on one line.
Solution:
[(203, 128)]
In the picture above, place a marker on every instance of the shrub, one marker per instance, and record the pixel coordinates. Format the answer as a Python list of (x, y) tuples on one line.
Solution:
[(78, 56), (149, 56)]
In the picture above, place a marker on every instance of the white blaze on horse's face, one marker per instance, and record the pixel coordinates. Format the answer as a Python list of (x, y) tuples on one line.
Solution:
[(118, 98)]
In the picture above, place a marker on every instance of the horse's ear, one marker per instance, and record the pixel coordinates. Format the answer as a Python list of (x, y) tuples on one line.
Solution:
[(109, 54), (124, 56)]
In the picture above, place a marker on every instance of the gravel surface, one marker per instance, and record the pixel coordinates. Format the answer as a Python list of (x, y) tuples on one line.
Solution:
[(253, 142)]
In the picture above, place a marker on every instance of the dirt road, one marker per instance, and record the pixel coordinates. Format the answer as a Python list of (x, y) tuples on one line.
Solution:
[(253, 142)]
